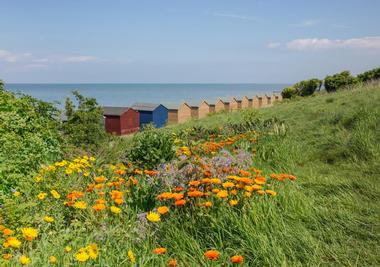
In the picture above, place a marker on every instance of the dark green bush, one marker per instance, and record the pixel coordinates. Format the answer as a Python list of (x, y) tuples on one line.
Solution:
[(288, 92), (84, 127), (339, 80), (151, 147), (308, 87), (29, 137), (370, 75)]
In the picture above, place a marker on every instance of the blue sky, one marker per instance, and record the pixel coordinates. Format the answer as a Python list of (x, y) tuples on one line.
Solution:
[(225, 41)]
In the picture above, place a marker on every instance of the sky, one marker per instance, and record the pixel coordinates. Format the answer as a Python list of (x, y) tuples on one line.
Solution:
[(178, 41)]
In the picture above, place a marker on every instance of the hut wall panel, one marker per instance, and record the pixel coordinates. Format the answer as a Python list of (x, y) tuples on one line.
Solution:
[(160, 116), (184, 113), (129, 122), (219, 106), (246, 102), (172, 116), (145, 117), (112, 125), (204, 109)]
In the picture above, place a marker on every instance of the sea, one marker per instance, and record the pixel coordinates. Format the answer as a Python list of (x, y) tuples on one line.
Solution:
[(125, 94)]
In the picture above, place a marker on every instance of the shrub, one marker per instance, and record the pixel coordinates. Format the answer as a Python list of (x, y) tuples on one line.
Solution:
[(339, 80), (84, 127), (29, 137), (308, 87), (288, 92), (151, 147), (370, 75)]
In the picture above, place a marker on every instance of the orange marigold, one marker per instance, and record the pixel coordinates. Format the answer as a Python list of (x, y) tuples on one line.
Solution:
[(212, 255), (222, 194), (159, 251), (99, 207), (237, 259), (180, 202), (163, 210), (172, 263)]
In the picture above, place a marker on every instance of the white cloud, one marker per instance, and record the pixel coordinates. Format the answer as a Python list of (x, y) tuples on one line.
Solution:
[(325, 44), (80, 59), (273, 45), (41, 60), (232, 16), (308, 23), (36, 66), (12, 57)]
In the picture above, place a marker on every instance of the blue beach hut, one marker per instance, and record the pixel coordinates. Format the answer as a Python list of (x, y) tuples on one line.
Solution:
[(152, 113)]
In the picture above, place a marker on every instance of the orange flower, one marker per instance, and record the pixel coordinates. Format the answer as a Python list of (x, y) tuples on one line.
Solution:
[(195, 194), (194, 183), (212, 255), (207, 204), (99, 207), (215, 181), (177, 196), (159, 251), (7, 231), (100, 179), (228, 184), (119, 201), (178, 189), (172, 263), (163, 210), (237, 259), (216, 190), (180, 202), (100, 201), (234, 192), (116, 194), (244, 173), (233, 202)]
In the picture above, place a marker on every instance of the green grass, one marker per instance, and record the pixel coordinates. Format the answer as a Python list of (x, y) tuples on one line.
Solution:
[(329, 216)]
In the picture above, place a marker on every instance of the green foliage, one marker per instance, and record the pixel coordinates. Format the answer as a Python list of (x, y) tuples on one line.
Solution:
[(29, 137), (151, 147), (370, 75), (308, 87), (339, 80), (288, 92), (84, 126)]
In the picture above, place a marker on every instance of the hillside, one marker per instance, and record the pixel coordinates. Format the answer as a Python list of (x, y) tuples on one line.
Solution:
[(291, 185)]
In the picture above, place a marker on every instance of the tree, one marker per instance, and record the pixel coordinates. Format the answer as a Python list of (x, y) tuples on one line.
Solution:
[(84, 126), (308, 87), (1, 85), (339, 80)]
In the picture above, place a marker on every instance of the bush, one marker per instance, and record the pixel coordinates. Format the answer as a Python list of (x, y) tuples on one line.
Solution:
[(339, 80), (308, 87), (29, 137), (151, 147), (288, 92), (84, 127), (370, 75)]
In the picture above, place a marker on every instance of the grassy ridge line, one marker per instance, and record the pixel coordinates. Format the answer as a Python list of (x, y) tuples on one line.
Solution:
[(332, 144)]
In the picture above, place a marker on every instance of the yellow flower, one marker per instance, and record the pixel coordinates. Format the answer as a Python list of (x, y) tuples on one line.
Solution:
[(55, 194), (41, 195), (69, 171), (233, 202), (131, 256), (93, 251), (82, 255), (24, 260), (228, 184), (38, 178), (53, 259), (68, 249), (271, 192), (12, 242), (29, 233), (16, 194), (153, 217), (80, 205), (222, 194), (48, 219), (115, 210)]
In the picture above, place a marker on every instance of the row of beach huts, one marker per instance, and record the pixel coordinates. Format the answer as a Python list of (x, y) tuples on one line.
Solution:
[(127, 120)]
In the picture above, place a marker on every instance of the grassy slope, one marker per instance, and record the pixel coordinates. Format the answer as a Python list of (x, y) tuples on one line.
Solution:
[(331, 215)]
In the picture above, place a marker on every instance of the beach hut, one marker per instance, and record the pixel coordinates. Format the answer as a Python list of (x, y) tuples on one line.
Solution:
[(276, 97), (246, 102), (121, 120), (222, 105), (205, 108), (172, 115), (235, 104), (257, 101), (186, 112), (152, 113), (268, 101)]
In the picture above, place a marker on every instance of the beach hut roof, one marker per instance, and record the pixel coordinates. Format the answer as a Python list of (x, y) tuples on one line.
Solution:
[(114, 111), (145, 106), (210, 105), (237, 100), (247, 97)]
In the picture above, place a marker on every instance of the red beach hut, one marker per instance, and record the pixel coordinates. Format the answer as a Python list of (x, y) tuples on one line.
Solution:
[(121, 120)]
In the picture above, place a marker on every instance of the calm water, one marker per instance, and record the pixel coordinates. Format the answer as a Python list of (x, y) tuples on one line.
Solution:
[(126, 94)]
